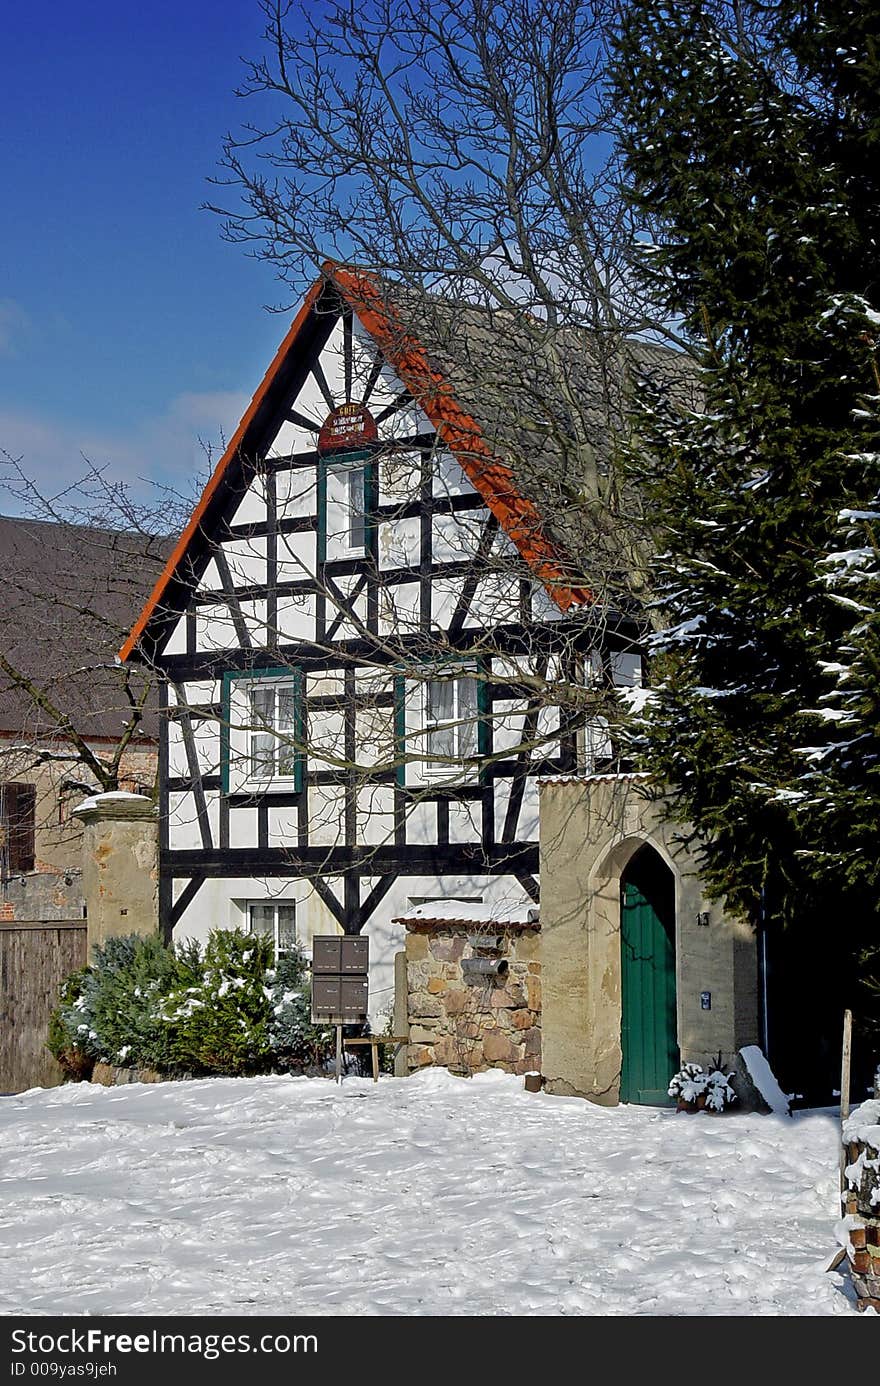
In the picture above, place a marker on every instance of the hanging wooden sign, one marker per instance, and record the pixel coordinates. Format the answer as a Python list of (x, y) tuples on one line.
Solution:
[(347, 429)]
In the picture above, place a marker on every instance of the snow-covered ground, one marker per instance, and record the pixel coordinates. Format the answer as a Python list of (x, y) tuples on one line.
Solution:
[(432, 1195)]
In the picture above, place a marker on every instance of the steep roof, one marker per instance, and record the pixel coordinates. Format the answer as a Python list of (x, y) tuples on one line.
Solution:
[(69, 593), (493, 385)]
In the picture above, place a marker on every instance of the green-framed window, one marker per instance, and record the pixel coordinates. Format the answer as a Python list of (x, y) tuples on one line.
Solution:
[(262, 731), (442, 721), (346, 503)]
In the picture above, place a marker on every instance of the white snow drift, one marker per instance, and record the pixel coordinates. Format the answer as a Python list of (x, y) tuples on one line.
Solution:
[(427, 1196)]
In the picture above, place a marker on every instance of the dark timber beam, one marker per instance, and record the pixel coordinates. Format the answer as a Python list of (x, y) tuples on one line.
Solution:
[(317, 862), (185, 898)]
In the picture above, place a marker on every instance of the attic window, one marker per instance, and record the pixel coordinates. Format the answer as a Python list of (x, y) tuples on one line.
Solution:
[(354, 479), (346, 504)]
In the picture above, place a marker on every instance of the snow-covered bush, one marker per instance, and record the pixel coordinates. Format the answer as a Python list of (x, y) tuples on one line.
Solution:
[(110, 1011), (294, 1040), (219, 1023), (695, 1088), (71, 1033), (131, 977), (221, 1009)]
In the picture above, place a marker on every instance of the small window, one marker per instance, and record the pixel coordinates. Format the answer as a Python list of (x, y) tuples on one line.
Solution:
[(272, 729), (18, 813), (346, 506), (357, 529), (451, 716), (274, 919), (626, 669)]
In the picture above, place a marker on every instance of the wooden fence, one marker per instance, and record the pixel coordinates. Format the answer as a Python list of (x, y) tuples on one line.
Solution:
[(34, 960)]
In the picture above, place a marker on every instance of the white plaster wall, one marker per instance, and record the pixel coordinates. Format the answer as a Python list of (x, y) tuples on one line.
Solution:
[(296, 493), (243, 827), (206, 736), (210, 581), (246, 559), (176, 642), (183, 821), (296, 557), (399, 477), (399, 608), (465, 822), (283, 826), (375, 815), (296, 618), (251, 509), (399, 543), (215, 629), (326, 816), (455, 538), (449, 479)]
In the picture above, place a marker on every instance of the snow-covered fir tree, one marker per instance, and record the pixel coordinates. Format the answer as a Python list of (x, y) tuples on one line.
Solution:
[(751, 138)]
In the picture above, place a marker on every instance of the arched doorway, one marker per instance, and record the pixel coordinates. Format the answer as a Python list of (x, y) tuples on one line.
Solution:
[(649, 1029)]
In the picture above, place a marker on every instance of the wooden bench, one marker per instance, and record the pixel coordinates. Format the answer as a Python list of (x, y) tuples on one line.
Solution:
[(374, 1041)]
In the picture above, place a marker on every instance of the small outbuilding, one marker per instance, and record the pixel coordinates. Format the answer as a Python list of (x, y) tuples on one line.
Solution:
[(630, 971), (640, 970)]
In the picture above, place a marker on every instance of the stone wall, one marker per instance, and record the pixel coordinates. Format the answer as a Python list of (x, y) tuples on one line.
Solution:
[(469, 1026), (861, 1138), (42, 897)]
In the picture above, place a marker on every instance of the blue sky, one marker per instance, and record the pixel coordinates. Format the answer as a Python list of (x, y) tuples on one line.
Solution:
[(128, 327)]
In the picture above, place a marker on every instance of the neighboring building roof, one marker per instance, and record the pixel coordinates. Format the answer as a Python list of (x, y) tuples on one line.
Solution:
[(479, 378), (68, 595)]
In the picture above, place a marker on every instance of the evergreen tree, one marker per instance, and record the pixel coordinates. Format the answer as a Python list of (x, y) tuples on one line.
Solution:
[(750, 135)]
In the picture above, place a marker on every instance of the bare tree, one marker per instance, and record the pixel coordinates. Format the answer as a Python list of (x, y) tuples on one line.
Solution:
[(456, 162), (464, 152)]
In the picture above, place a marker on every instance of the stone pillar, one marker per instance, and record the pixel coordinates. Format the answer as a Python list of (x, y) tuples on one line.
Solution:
[(401, 1013), (120, 865)]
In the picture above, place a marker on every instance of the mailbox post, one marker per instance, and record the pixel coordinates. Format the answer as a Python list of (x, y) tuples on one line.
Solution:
[(340, 987)]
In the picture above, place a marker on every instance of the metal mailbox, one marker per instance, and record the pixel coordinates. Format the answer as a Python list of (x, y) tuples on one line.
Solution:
[(327, 954), (340, 988), (337, 996), (336, 953)]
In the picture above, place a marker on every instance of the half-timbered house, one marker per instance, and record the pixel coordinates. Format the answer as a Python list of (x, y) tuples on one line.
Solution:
[(364, 629)]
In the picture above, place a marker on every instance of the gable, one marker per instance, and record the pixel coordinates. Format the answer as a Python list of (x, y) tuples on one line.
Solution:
[(345, 343)]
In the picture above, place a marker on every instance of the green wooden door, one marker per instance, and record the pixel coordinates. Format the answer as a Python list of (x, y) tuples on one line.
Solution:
[(649, 1032)]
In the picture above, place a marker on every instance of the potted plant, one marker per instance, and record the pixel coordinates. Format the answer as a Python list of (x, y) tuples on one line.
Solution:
[(696, 1089)]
